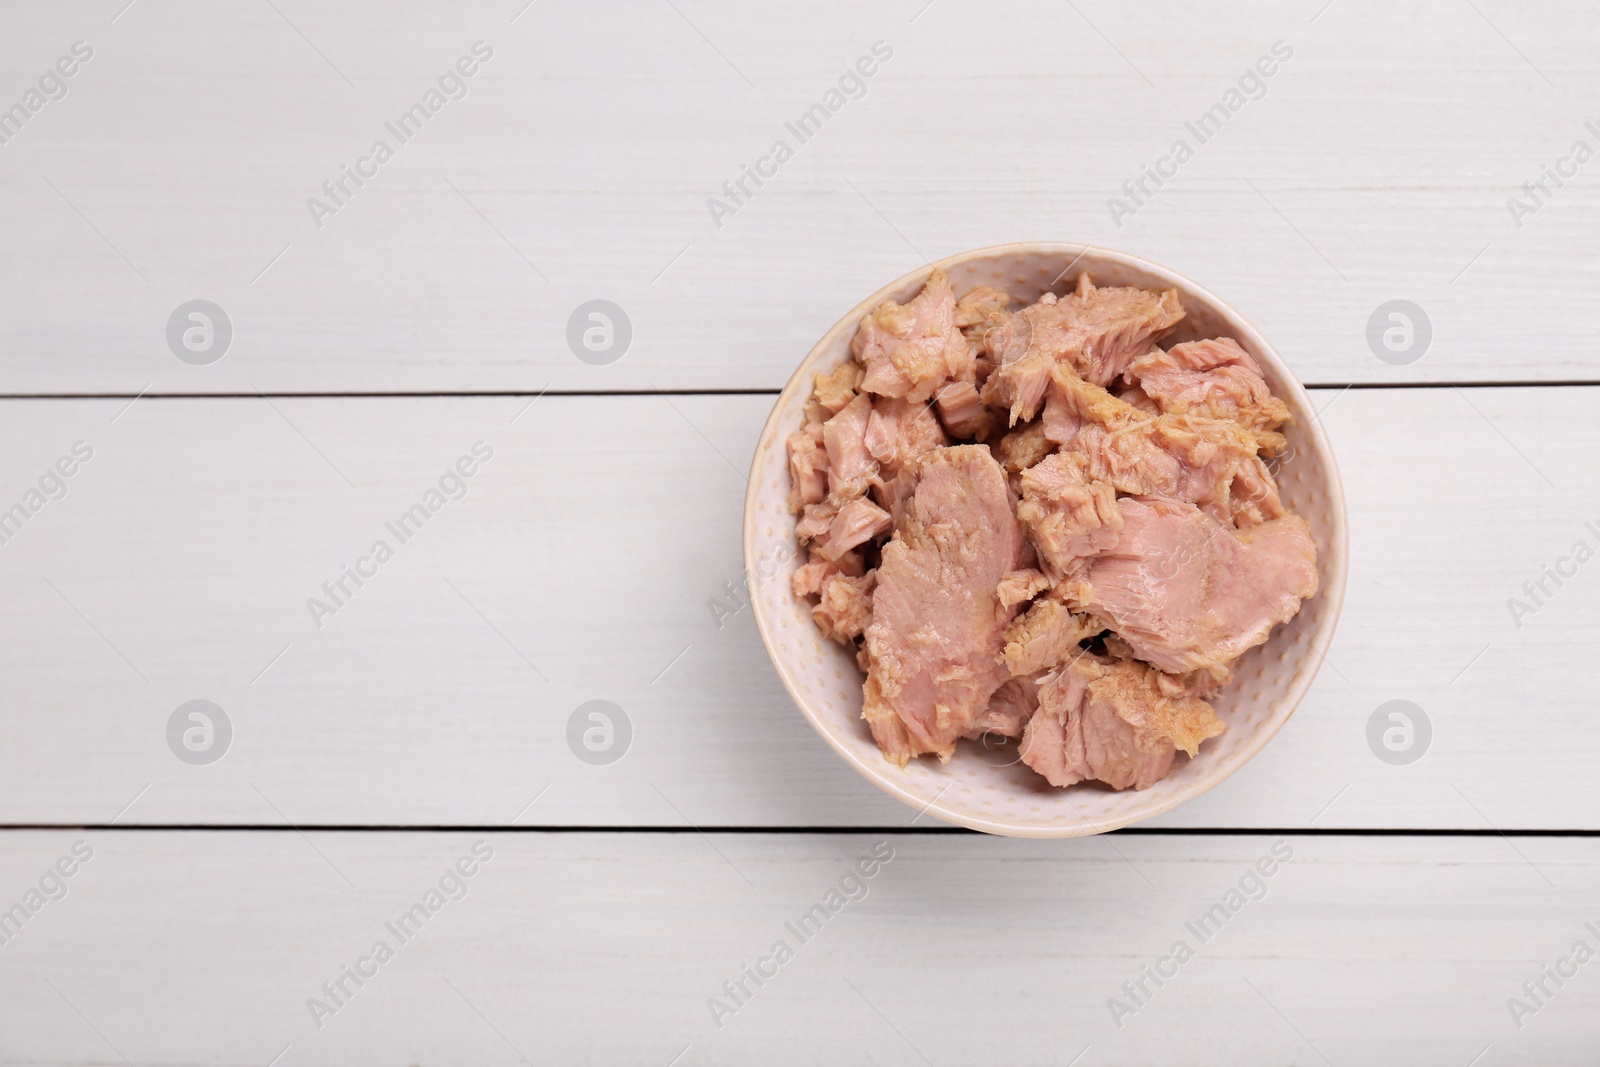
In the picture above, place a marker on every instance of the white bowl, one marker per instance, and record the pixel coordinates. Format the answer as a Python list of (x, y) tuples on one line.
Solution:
[(982, 787)]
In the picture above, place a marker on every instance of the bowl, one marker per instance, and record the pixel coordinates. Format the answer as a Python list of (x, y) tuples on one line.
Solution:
[(984, 787)]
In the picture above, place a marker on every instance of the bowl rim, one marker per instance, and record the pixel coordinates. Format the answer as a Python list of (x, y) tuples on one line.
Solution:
[(1336, 564)]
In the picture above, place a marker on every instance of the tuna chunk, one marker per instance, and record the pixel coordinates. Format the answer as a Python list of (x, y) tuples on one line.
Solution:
[(1253, 495), (933, 647), (1068, 515), (845, 607), (1133, 460), (1110, 720), (851, 467), (856, 523), (833, 391), (910, 350), (1139, 400), (808, 468), (1009, 710), (1186, 592), (1021, 586), (1216, 379), (1205, 683), (1020, 449), (1073, 405), (894, 493), (1182, 457), (975, 308), (962, 410), (899, 431), (1073, 737), (1045, 636), (1075, 402), (1096, 332), (809, 578), (815, 520), (1024, 446), (1116, 325), (1219, 469)]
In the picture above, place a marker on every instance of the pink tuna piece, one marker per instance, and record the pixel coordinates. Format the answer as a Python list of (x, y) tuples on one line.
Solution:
[(1186, 592), (933, 647)]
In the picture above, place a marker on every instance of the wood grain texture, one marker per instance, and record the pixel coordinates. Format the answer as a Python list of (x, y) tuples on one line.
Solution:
[(1376, 165), (584, 563), (595, 554), (206, 947)]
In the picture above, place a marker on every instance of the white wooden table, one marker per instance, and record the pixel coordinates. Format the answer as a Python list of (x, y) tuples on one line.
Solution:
[(422, 721)]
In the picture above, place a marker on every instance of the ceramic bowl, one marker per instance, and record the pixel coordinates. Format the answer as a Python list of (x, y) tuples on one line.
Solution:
[(983, 787)]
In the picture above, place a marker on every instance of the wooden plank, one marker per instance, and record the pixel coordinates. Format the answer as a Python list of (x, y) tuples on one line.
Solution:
[(206, 947), (1376, 166), (583, 564)]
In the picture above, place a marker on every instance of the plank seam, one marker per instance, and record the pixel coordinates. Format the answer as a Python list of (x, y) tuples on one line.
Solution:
[(1177, 831), (1567, 383)]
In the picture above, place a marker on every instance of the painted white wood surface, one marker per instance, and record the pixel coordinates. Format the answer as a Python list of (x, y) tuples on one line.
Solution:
[(581, 562), (1377, 166), (205, 947), (180, 563)]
